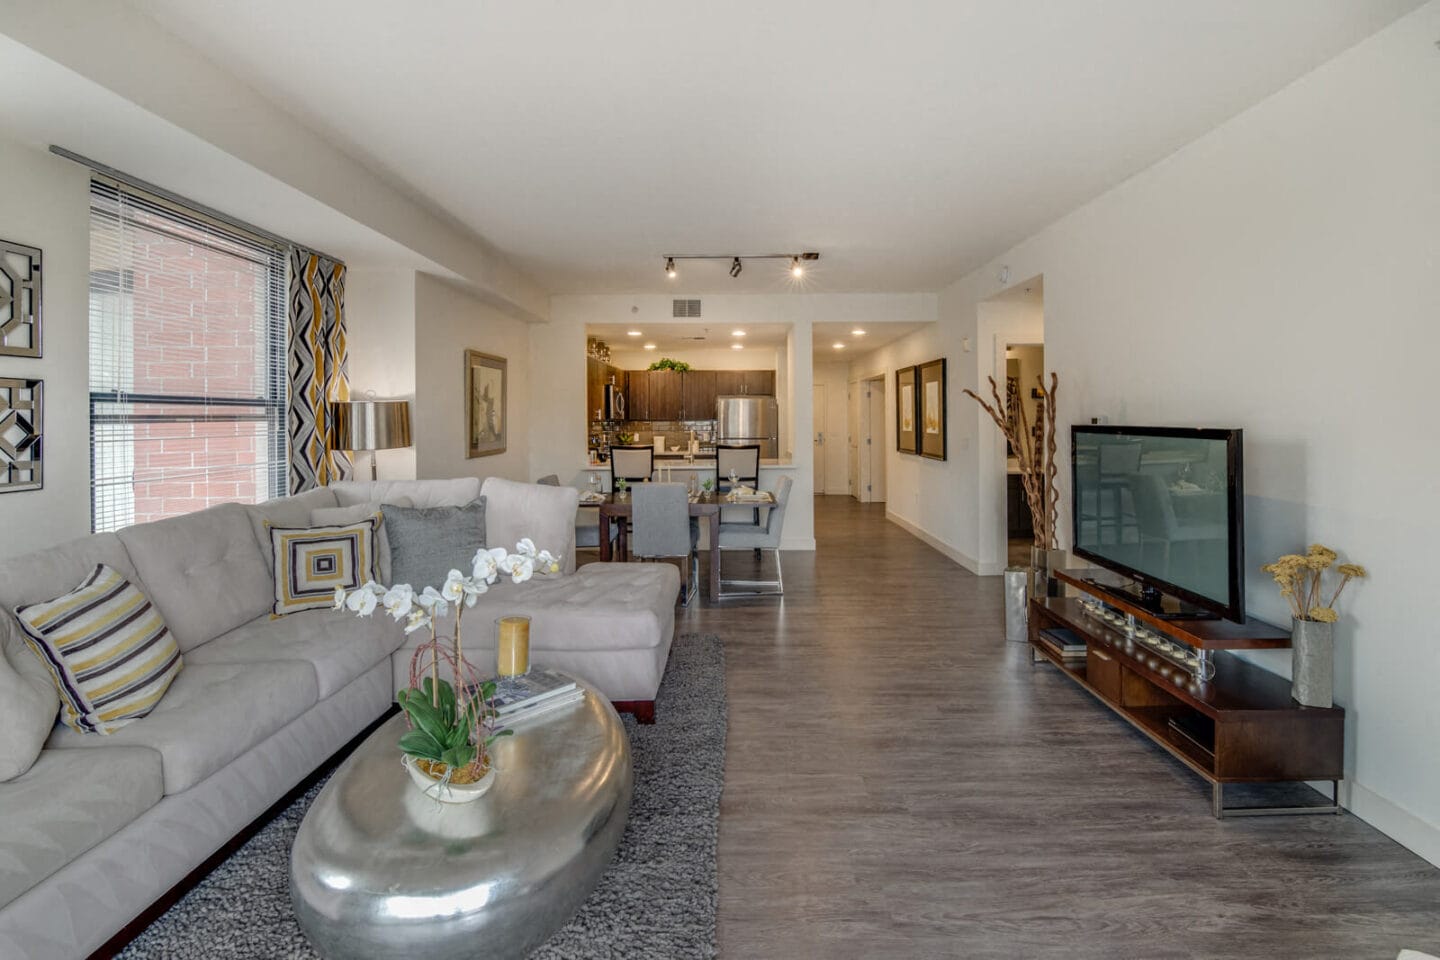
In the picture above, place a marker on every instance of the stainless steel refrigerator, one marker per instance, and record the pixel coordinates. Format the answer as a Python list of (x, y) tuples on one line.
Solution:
[(749, 420)]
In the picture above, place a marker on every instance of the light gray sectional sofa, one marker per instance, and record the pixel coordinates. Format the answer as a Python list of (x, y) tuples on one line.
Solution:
[(101, 827)]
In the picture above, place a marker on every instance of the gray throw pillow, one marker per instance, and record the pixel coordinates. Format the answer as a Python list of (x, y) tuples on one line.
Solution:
[(426, 543)]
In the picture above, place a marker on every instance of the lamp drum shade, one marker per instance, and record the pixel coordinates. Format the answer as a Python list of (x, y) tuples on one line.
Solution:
[(372, 424)]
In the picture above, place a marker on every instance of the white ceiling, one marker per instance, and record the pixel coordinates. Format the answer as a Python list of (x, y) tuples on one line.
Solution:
[(824, 336), (694, 336), (908, 142)]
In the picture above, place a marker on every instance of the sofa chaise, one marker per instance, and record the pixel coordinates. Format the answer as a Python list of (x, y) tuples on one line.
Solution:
[(103, 831)]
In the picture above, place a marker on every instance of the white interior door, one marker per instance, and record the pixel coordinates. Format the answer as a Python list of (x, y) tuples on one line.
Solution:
[(854, 393), (870, 487), (817, 410)]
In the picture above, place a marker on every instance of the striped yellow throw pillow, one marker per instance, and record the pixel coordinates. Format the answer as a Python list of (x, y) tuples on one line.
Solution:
[(108, 650), (311, 563)]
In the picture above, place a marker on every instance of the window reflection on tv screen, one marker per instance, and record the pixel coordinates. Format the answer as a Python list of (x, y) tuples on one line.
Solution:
[(1157, 505)]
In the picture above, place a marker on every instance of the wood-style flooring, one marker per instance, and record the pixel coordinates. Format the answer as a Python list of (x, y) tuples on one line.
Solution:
[(901, 782)]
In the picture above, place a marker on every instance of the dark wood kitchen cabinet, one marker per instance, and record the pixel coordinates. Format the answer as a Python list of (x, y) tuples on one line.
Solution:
[(697, 394), (731, 383), (637, 395), (666, 397)]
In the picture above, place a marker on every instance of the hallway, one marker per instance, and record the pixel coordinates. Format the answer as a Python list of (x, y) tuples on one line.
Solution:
[(901, 782)]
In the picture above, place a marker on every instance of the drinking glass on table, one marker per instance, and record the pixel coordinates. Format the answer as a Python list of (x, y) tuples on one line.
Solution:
[(594, 484)]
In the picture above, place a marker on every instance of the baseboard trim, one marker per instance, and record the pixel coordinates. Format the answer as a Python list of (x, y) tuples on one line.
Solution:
[(1416, 835), (959, 556), (799, 543)]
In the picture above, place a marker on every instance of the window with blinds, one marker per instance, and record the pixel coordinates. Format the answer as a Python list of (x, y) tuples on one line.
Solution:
[(187, 361)]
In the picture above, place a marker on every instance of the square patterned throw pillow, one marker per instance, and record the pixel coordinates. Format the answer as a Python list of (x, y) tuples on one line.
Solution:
[(310, 562), (108, 650), (426, 543)]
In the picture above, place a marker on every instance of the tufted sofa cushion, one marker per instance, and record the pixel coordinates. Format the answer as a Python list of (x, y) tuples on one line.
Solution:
[(610, 623), (213, 713), (602, 606), (205, 571), (67, 803), (337, 645), (40, 576)]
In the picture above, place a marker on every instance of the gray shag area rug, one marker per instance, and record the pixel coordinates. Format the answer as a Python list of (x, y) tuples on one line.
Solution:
[(657, 899)]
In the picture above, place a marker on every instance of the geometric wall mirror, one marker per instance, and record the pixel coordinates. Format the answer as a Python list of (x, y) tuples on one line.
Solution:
[(20, 284), (21, 427)]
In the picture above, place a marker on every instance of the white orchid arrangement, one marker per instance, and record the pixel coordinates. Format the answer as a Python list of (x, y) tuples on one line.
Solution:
[(422, 610)]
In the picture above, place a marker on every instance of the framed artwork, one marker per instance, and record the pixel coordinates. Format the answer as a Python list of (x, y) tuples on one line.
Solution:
[(20, 289), (931, 391), (486, 411), (907, 411), (22, 417)]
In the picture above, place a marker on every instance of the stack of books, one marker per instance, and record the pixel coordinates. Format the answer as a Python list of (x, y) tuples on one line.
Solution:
[(539, 693), (1065, 644)]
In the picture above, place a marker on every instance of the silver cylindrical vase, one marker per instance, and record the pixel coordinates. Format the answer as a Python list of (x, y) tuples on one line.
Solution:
[(1016, 609), (1312, 663)]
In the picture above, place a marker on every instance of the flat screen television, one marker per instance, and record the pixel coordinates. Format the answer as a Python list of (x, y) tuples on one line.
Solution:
[(1163, 506)]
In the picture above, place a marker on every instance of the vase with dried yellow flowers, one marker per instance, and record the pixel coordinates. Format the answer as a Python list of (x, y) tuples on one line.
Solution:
[(1302, 583)]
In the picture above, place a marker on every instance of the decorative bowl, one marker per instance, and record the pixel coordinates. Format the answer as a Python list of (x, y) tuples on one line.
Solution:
[(447, 792)]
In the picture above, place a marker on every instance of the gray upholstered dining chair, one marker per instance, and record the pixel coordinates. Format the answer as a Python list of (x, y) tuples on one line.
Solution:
[(661, 513), (745, 536)]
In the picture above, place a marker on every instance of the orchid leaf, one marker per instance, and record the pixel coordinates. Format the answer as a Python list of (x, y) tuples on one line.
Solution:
[(419, 744)]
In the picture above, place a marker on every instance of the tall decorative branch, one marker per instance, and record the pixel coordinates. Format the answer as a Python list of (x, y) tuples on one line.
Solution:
[(1034, 453)]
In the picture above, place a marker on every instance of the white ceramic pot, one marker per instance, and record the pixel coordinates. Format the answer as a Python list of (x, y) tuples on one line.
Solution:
[(447, 792)]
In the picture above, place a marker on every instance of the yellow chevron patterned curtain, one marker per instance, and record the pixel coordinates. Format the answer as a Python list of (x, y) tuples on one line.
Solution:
[(318, 369)]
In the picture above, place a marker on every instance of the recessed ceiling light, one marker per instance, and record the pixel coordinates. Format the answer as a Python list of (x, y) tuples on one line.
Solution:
[(838, 346), (634, 333), (857, 332), (649, 346), (737, 346), (737, 333)]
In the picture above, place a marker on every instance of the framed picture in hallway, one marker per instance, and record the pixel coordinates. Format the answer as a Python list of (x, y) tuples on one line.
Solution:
[(486, 411), (907, 411), (931, 393)]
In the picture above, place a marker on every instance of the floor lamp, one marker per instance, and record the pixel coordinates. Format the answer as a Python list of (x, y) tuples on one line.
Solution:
[(372, 425)]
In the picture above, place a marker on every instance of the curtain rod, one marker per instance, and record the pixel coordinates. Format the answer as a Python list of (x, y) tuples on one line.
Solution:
[(185, 202)]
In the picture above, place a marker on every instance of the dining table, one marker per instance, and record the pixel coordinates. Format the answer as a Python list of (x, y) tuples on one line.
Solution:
[(705, 507)]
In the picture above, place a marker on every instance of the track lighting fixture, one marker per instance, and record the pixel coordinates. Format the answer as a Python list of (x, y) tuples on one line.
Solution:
[(797, 268)]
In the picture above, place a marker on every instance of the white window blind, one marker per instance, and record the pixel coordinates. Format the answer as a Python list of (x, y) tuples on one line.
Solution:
[(187, 361)]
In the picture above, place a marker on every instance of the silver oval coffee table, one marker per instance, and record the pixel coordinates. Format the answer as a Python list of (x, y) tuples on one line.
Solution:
[(381, 871)]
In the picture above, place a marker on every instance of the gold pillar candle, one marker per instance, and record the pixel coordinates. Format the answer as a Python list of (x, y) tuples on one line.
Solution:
[(513, 645)]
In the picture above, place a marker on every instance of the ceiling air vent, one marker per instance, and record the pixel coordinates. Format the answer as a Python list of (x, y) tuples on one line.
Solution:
[(687, 308)]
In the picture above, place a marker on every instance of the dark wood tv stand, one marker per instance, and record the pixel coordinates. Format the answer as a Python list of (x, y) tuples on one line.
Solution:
[(1242, 726)]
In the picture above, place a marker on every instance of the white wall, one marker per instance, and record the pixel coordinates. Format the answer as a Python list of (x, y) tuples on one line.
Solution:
[(835, 378), (1280, 275), (448, 320), (380, 327), (47, 205)]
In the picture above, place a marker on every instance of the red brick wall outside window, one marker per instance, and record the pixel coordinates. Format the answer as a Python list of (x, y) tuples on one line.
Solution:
[(187, 344)]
